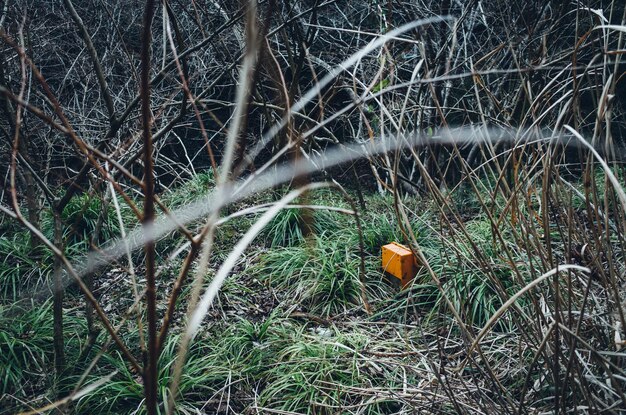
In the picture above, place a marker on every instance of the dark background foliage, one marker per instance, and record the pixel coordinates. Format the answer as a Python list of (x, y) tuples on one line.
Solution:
[(509, 43)]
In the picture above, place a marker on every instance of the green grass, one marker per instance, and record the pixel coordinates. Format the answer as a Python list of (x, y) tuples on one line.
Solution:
[(199, 185), (80, 220), (26, 349), (322, 275), (290, 226), (25, 346), (311, 373), (301, 368), (124, 392), (276, 361), (471, 289), (20, 269), (380, 224)]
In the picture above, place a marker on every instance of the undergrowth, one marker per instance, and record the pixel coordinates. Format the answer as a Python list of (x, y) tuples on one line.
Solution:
[(124, 391), (26, 354)]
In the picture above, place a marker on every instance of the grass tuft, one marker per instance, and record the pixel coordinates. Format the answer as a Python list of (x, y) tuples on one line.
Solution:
[(322, 275)]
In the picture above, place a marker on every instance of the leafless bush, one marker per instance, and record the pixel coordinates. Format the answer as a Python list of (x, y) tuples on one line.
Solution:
[(119, 101)]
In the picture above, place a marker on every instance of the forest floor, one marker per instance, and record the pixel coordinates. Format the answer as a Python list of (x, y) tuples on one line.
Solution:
[(289, 331)]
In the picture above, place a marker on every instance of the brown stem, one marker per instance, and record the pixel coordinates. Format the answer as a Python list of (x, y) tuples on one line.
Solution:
[(178, 285), (16, 214), (84, 34), (59, 291), (150, 369), (23, 155), (88, 151)]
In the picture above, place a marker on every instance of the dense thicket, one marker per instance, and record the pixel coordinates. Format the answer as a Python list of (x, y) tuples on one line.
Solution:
[(505, 44), (486, 135)]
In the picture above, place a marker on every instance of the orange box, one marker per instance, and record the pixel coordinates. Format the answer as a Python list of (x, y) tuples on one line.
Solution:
[(399, 261)]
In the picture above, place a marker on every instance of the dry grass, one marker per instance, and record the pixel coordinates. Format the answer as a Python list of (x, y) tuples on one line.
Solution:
[(494, 144)]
